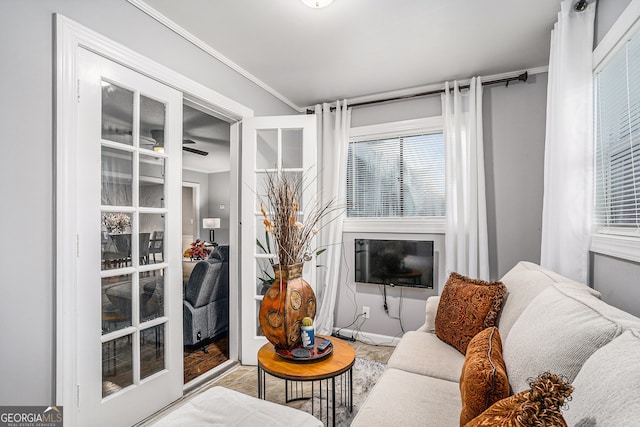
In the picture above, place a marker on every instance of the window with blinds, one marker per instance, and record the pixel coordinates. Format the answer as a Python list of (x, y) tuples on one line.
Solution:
[(399, 176), (617, 141)]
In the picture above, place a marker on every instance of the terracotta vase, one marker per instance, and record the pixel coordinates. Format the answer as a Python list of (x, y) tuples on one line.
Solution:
[(289, 300)]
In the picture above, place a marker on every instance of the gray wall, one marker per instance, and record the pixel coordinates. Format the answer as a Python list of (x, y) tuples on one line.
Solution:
[(27, 328), (615, 278), (403, 302), (514, 132), (219, 194)]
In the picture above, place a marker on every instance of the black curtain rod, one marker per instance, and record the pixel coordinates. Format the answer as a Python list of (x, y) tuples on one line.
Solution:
[(521, 78)]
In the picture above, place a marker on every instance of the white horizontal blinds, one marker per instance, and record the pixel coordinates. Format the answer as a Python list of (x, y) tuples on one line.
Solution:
[(617, 151), (396, 177), (373, 186), (423, 165)]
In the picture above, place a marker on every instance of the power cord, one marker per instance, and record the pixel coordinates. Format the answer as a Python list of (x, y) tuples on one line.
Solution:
[(354, 296), (386, 306)]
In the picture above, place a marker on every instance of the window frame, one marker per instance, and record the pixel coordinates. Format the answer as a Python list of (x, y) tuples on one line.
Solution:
[(617, 242), (410, 224)]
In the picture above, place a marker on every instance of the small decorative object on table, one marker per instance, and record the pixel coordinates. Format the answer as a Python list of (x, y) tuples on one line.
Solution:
[(320, 349), (197, 250), (290, 298), (307, 332)]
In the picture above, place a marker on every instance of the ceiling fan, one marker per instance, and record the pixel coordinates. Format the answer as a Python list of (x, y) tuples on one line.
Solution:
[(157, 136), (156, 140)]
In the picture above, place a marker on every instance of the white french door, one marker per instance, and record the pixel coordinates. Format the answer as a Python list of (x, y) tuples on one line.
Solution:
[(279, 144), (129, 324)]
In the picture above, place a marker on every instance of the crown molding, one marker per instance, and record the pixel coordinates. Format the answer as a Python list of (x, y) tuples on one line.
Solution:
[(162, 19)]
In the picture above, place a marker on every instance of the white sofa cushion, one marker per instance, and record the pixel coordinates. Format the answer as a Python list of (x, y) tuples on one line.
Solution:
[(425, 354), (608, 385), (558, 332), (524, 282), (406, 399)]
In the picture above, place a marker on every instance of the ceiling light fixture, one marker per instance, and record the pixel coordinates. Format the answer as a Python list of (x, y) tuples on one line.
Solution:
[(317, 4)]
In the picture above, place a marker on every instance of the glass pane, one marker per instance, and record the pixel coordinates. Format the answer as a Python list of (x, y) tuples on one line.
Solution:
[(151, 295), (266, 149), (151, 182), (151, 238), (115, 242), (117, 169), (116, 303), (261, 190), (117, 365), (264, 241), (292, 148), (258, 328), (262, 179), (265, 275), (373, 178), (117, 113), (423, 186), (151, 351), (152, 116)]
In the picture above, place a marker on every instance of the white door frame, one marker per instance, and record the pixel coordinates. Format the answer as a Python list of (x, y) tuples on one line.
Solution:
[(70, 37), (195, 193)]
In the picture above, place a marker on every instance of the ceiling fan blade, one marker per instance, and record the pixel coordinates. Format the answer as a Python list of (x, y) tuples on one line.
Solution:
[(195, 151), (188, 141)]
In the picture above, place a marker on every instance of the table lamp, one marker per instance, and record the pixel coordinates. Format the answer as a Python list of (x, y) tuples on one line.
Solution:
[(211, 224)]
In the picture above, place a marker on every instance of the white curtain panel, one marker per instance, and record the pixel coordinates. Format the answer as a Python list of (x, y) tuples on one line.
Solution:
[(333, 142), (466, 243), (567, 159)]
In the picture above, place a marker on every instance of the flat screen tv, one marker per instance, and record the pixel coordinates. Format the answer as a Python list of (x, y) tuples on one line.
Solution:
[(394, 262)]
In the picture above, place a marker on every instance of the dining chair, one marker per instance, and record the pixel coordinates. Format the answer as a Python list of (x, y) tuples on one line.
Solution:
[(156, 245)]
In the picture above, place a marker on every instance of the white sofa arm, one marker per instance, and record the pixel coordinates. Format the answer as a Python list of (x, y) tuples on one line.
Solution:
[(431, 310)]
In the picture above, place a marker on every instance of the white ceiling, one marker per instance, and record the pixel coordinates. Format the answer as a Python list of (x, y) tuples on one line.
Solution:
[(355, 48)]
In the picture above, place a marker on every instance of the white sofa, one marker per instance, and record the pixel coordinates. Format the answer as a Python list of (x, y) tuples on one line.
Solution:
[(547, 323)]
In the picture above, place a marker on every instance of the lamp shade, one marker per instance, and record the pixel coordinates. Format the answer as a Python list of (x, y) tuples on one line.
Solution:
[(317, 4), (211, 223)]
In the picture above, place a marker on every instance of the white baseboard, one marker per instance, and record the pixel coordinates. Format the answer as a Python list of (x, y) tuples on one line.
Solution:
[(368, 337)]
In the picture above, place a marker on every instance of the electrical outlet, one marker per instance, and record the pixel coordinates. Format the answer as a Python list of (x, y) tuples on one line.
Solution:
[(365, 312)]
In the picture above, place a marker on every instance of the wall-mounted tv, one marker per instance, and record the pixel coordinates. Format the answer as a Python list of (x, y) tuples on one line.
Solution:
[(394, 262)]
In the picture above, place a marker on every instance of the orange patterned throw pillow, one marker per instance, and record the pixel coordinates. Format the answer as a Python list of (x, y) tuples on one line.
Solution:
[(467, 306), (538, 406), (484, 376)]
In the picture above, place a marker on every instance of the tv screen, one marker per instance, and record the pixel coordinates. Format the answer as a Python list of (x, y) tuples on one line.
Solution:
[(394, 262)]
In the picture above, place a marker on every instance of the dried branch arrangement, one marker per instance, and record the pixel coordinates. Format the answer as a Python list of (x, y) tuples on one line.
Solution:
[(292, 229)]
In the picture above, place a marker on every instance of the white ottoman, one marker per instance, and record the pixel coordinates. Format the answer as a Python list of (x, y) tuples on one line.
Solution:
[(219, 406)]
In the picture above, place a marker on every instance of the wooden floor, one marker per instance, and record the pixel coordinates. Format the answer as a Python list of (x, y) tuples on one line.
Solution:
[(197, 362)]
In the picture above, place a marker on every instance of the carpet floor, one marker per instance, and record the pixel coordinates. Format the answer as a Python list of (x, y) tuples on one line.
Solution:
[(370, 363)]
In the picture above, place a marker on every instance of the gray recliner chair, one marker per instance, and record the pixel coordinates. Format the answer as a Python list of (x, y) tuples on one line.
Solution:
[(205, 308)]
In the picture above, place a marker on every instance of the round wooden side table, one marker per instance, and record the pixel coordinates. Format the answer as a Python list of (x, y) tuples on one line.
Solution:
[(338, 364)]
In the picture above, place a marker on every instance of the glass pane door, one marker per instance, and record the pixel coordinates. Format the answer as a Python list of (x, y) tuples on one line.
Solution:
[(132, 195), (271, 145), (130, 322)]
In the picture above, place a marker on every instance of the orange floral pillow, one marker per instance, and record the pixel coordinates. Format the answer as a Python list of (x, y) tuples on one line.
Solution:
[(539, 406), (484, 376), (466, 307)]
